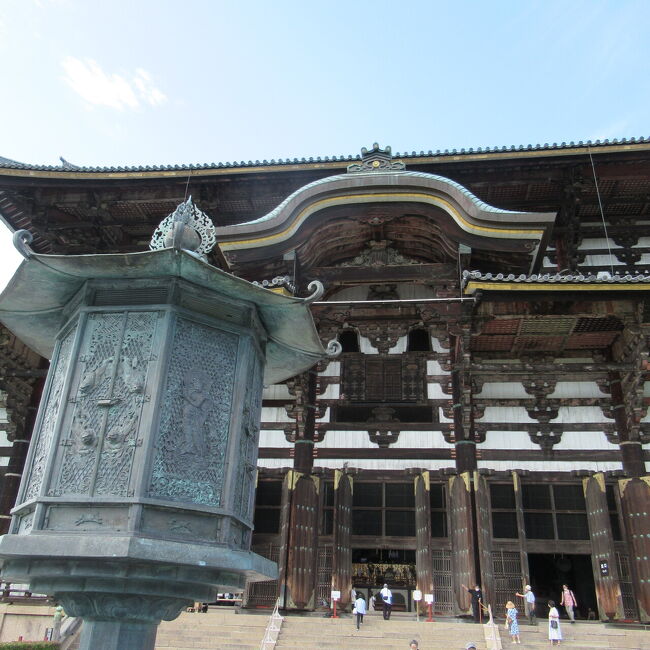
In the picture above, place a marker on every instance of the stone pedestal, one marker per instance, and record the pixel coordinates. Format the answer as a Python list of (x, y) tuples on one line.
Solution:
[(137, 494)]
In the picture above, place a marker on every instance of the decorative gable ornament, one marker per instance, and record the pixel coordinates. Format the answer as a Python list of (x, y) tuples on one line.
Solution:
[(376, 160), (186, 228)]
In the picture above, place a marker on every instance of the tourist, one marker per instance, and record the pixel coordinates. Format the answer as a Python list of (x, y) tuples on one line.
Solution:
[(470, 646), (387, 598), (569, 602), (477, 600), (554, 630), (359, 608), (529, 604), (413, 645), (511, 622)]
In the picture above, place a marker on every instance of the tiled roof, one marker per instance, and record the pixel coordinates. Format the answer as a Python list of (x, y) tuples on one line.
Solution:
[(603, 277), (67, 166)]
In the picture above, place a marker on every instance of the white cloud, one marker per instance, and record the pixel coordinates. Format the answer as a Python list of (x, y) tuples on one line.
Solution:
[(99, 88)]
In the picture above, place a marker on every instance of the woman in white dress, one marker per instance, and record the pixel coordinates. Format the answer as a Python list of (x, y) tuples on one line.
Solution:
[(554, 630)]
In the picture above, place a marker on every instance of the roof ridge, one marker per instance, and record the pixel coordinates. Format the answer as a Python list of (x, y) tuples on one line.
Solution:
[(8, 163)]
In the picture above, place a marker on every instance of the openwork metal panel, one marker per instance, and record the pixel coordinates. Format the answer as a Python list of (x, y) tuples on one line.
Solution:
[(507, 575), (625, 577), (324, 577), (442, 580), (265, 593)]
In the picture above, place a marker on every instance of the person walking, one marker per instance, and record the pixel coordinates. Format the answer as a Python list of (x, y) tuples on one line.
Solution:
[(359, 608), (511, 622), (554, 629), (529, 604), (477, 601), (387, 598), (569, 601)]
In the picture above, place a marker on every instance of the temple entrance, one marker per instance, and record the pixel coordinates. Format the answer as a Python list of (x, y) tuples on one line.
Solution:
[(549, 571), (372, 568)]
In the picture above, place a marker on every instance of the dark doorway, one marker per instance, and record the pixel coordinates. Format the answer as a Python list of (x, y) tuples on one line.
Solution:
[(549, 571)]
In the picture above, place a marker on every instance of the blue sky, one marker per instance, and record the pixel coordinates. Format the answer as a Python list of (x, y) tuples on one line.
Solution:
[(168, 82)]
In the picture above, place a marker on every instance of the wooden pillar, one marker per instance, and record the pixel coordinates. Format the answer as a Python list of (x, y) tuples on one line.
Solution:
[(484, 537), (299, 541), (603, 555), (342, 552), (423, 559), (462, 539), (635, 502), (465, 443)]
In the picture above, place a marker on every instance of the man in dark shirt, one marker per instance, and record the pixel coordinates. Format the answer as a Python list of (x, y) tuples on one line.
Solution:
[(477, 600)]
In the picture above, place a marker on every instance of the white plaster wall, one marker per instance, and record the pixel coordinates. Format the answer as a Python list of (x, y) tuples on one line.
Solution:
[(643, 242), (434, 368), (275, 463), (506, 414), (601, 260), (401, 345), (437, 347), (508, 390), (276, 391), (273, 439), (326, 416), (333, 369), (508, 440), (406, 440), (442, 417), (434, 391), (573, 414), (546, 466), (577, 389), (366, 347), (274, 414), (367, 463), (584, 440), (600, 242)]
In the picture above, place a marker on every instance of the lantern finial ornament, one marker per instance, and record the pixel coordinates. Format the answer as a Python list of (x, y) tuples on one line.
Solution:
[(187, 228)]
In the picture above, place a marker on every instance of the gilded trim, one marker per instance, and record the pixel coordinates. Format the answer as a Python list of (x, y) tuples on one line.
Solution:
[(392, 197), (551, 286)]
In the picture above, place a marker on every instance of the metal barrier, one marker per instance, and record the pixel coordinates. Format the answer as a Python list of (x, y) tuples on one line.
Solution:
[(272, 628)]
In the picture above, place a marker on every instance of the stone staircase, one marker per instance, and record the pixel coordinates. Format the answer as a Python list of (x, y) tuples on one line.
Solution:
[(580, 636), (309, 632), (218, 628), (226, 629)]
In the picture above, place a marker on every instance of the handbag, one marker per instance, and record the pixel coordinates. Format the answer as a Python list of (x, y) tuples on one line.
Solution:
[(554, 624), (354, 610)]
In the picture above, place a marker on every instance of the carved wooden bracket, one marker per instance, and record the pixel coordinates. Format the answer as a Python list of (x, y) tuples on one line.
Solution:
[(540, 388), (544, 410), (383, 434), (383, 335)]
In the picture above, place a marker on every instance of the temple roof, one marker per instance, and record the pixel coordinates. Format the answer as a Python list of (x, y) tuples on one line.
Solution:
[(413, 156)]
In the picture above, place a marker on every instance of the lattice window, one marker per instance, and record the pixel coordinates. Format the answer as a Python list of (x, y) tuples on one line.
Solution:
[(442, 581), (265, 593), (625, 578), (507, 575), (383, 379), (324, 584)]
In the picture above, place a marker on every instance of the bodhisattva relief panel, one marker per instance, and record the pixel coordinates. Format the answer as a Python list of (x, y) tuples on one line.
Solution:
[(51, 411), (248, 441), (100, 448), (195, 415)]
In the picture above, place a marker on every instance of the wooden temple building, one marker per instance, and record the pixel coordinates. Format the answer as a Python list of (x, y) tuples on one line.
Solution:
[(487, 420)]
